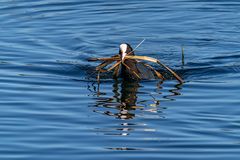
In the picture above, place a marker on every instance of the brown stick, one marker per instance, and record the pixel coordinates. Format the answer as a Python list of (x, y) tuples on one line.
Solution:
[(113, 58), (131, 70), (159, 75), (109, 69), (173, 73), (116, 71), (103, 64), (157, 61), (98, 77), (115, 65)]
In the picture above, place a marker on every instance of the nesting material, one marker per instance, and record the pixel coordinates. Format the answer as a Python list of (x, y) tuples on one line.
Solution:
[(128, 65)]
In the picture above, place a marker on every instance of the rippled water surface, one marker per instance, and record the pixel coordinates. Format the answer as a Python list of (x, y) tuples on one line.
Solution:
[(50, 105)]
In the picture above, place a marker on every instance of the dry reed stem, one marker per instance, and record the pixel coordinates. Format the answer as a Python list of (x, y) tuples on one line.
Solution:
[(116, 71), (115, 58), (116, 66), (113, 66), (159, 75), (157, 61), (131, 70), (103, 64), (109, 69)]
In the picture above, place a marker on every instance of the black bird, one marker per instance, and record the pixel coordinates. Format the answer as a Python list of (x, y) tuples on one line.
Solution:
[(136, 70), (128, 66)]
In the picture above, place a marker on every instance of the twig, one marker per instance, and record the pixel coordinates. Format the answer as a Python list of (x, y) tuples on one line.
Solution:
[(182, 55), (159, 75), (131, 70), (115, 58), (137, 46), (156, 61)]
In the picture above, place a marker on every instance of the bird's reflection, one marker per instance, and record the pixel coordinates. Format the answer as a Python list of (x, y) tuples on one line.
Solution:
[(125, 101), (130, 100)]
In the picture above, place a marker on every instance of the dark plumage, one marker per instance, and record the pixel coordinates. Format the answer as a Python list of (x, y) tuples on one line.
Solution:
[(127, 65), (138, 67)]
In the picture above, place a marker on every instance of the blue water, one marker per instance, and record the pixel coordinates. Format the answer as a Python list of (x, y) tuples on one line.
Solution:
[(50, 106)]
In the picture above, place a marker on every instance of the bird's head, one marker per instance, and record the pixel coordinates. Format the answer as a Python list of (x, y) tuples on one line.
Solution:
[(125, 49)]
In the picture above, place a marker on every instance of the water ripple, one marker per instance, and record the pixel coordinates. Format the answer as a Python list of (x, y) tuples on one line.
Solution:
[(52, 107)]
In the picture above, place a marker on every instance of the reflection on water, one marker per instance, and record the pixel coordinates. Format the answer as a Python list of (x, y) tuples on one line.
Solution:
[(129, 97), (130, 102), (124, 99), (47, 112)]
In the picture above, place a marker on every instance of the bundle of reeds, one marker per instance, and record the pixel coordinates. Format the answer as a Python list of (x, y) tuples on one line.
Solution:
[(127, 64)]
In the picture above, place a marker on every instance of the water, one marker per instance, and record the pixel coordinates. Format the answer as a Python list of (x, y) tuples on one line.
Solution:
[(50, 106)]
